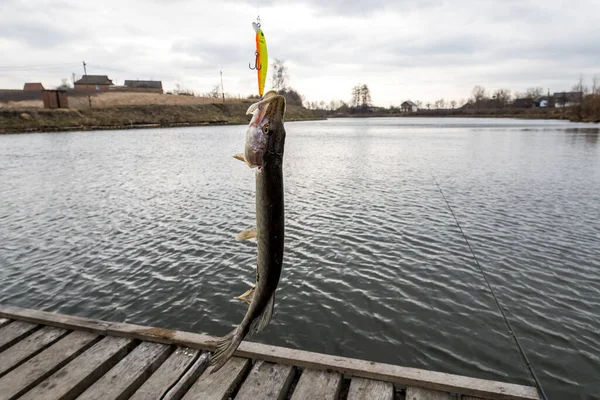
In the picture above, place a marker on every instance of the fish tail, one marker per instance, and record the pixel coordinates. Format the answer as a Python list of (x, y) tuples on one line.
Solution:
[(226, 346)]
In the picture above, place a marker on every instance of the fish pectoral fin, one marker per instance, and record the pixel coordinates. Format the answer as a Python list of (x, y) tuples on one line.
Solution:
[(248, 295), (246, 234), (240, 156), (263, 319)]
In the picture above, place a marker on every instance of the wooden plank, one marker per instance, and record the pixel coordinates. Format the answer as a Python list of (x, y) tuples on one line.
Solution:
[(28, 347), (182, 386), (347, 366), (33, 371), (75, 377), (221, 384), (417, 393), (471, 398), (12, 333), (128, 375), (267, 381), (175, 375), (4, 321), (368, 389), (314, 384)]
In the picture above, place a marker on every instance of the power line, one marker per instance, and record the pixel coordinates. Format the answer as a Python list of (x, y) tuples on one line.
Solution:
[(511, 332)]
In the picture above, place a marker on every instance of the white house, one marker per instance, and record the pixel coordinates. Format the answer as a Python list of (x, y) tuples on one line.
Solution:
[(409, 106), (567, 99)]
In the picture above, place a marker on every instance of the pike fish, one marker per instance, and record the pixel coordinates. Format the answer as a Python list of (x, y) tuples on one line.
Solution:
[(265, 140)]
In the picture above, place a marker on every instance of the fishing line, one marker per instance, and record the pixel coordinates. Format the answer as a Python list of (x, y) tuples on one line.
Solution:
[(538, 384)]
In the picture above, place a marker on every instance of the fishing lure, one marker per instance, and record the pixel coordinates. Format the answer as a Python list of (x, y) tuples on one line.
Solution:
[(261, 63)]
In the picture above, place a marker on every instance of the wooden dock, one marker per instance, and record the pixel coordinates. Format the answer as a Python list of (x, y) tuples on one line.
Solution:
[(52, 356)]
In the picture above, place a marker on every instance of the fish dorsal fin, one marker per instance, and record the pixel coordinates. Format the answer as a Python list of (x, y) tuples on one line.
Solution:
[(263, 319)]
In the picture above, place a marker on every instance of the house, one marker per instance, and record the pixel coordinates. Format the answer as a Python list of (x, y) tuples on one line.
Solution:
[(33, 86), (567, 99), (144, 86), (409, 106), (93, 82), (525, 102)]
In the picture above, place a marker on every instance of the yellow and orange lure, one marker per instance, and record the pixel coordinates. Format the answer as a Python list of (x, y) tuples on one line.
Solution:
[(262, 58)]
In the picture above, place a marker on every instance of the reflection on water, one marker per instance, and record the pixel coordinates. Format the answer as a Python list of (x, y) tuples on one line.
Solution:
[(139, 226), (589, 135)]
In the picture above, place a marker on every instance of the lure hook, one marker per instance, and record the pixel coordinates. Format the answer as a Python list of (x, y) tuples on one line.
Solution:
[(256, 66)]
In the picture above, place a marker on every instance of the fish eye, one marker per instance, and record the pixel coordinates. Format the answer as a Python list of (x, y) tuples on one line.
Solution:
[(266, 129)]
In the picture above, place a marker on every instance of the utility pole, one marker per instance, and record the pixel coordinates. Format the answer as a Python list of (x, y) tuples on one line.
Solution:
[(85, 73), (73, 73), (222, 91)]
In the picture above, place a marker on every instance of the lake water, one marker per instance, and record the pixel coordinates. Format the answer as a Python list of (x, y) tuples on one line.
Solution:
[(139, 226)]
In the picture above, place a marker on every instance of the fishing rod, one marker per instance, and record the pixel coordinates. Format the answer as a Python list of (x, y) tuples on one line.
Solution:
[(511, 332)]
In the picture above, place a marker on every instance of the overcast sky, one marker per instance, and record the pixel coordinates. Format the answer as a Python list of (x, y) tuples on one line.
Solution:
[(419, 50)]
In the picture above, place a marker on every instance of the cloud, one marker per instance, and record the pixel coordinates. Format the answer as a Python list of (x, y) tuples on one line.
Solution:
[(421, 50), (38, 35)]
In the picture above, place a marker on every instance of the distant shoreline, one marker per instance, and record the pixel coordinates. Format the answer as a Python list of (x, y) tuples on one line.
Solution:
[(35, 120), (564, 114)]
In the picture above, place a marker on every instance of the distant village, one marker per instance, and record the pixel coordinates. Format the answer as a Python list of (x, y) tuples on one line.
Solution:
[(480, 100), (557, 100), (88, 84)]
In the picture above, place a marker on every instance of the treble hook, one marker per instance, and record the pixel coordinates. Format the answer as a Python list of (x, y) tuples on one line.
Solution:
[(256, 66)]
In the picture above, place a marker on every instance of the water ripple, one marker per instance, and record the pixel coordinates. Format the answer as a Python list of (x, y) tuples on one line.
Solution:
[(139, 226)]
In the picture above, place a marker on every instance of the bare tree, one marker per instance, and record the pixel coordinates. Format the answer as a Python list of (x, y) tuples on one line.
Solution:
[(534, 93), (453, 104), (428, 105), (280, 80), (355, 96), (502, 97), (479, 95), (65, 84), (215, 92), (580, 87), (596, 85), (419, 103), (335, 104), (182, 91), (365, 96)]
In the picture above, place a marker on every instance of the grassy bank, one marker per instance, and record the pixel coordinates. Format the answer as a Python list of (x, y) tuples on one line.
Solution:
[(18, 120), (572, 114)]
